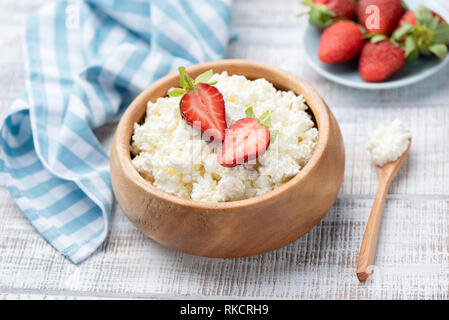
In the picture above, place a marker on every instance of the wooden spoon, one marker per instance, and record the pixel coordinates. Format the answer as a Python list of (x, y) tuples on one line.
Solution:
[(369, 243)]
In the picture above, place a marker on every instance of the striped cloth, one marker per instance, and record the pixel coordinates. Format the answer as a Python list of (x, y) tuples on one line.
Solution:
[(85, 61)]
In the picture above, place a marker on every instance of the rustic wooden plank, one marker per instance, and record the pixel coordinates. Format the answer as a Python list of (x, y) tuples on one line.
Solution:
[(320, 265), (40, 296)]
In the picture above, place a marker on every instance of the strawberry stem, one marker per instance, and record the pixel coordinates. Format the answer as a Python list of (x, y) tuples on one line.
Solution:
[(273, 135), (319, 15), (204, 77), (264, 119), (440, 50), (178, 92), (187, 83), (429, 35), (182, 77), (250, 113), (190, 82)]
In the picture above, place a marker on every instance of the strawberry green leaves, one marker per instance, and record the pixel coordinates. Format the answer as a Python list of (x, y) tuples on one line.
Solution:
[(264, 119), (411, 49), (250, 113), (273, 134), (204, 78), (405, 35), (323, 13), (424, 16), (441, 33), (440, 50), (319, 15), (188, 84), (182, 77), (373, 37), (428, 37), (177, 92), (403, 31)]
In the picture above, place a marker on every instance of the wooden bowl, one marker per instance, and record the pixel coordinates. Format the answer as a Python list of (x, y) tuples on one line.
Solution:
[(238, 228)]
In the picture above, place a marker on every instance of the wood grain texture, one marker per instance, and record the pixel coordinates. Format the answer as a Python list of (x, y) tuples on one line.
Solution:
[(412, 259), (367, 254)]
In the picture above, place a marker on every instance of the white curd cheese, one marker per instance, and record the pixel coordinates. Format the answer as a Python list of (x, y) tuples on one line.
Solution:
[(171, 154), (388, 142)]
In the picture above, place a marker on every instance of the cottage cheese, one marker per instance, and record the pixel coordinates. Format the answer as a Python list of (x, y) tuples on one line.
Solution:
[(388, 142), (174, 158)]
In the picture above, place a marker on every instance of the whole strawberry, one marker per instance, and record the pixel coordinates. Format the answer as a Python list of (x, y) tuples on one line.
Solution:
[(324, 12), (379, 16), (423, 32), (341, 42), (381, 60)]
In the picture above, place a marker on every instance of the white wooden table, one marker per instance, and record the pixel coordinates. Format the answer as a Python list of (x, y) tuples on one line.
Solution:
[(413, 250)]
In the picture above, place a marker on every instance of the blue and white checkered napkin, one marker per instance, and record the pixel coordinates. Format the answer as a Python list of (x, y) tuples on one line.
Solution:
[(85, 61)]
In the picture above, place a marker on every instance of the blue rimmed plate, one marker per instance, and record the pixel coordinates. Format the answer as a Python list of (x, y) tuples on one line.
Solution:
[(347, 73)]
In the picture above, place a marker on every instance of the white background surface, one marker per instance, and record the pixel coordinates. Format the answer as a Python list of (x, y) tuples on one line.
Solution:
[(413, 251)]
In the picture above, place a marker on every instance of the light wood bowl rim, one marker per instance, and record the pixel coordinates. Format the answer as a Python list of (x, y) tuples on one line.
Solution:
[(122, 144)]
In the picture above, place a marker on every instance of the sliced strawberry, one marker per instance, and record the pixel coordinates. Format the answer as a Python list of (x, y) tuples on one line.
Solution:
[(202, 105), (244, 141)]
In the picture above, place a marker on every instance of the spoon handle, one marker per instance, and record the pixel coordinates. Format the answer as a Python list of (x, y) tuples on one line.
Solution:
[(369, 243)]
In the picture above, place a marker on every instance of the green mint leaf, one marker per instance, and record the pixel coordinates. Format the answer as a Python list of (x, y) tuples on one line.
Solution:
[(182, 77), (211, 83), (250, 113), (440, 50), (204, 77), (423, 16), (177, 92)]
